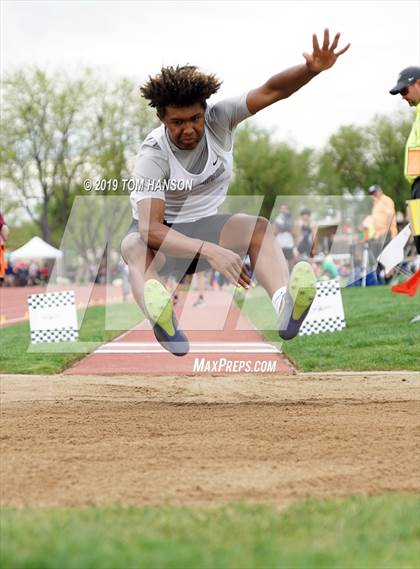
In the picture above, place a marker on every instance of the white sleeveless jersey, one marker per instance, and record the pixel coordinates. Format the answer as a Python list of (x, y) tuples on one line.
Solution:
[(189, 197)]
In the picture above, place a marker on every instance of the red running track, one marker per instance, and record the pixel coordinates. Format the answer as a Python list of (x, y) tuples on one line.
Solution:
[(14, 300), (222, 342)]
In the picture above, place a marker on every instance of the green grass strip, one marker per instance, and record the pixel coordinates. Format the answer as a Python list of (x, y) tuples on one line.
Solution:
[(19, 356), (353, 533)]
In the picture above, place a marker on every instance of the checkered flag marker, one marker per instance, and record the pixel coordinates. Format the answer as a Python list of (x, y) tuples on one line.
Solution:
[(53, 317), (327, 312)]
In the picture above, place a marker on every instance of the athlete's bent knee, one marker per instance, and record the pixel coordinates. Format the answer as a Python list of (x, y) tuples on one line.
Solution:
[(133, 248)]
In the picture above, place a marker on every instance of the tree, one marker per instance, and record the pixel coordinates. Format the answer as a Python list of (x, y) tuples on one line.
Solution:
[(344, 163), (388, 136), (44, 141), (357, 157), (264, 167), (58, 131)]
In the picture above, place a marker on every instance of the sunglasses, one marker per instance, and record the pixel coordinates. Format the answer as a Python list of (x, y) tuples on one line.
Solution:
[(404, 91)]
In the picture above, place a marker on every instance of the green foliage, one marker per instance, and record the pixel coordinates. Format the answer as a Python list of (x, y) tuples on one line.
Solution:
[(58, 131), (353, 159), (368, 532), (21, 234), (347, 152), (357, 157), (388, 136), (263, 167)]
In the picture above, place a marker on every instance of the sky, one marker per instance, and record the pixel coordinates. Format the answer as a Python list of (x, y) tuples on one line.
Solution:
[(243, 43)]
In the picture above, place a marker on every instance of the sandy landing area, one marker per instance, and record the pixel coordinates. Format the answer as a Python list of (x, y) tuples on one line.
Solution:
[(69, 440)]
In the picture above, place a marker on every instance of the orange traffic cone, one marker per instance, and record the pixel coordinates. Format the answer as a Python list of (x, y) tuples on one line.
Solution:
[(410, 286)]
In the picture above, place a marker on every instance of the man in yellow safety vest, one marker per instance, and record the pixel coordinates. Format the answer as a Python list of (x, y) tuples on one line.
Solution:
[(408, 86)]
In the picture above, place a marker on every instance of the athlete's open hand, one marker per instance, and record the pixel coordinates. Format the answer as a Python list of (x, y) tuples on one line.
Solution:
[(324, 57), (226, 262)]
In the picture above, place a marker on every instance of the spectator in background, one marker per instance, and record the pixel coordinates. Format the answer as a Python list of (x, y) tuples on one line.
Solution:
[(283, 230), (383, 215), (44, 273), (21, 273), (4, 235), (33, 273), (306, 232), (384, 225), (329, 268), (9, 277), (201, 285)]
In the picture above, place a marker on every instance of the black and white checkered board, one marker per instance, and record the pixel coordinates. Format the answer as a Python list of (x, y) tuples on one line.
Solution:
[(53, 317), (60, 335), (51, 299), (327, 312)]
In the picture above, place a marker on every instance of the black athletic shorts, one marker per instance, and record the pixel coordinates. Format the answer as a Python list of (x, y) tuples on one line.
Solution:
[(207, 229)]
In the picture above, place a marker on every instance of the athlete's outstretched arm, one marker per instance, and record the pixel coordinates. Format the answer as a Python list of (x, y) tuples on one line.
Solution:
[(287, 82)]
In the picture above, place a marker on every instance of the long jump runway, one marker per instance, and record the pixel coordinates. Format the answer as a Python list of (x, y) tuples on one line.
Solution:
[(221, 339)]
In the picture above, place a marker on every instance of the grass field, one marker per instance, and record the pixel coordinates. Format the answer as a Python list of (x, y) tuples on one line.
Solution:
[(15, 340), (378, 327), (368, 533), (378, 335)]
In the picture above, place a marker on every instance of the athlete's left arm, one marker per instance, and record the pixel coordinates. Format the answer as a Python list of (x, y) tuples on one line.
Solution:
[(287, 82)]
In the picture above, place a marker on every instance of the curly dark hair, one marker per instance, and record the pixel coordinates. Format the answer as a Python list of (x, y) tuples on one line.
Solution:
[(180, 87)]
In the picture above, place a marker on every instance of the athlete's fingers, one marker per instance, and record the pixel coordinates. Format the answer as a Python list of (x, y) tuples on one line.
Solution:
[(307, 57), (231, 274), (243, 279), (326, 42), (237, 266), (245, 275), (343, 50), (335, 42), (315, 44), (239, 277), (244, 284)]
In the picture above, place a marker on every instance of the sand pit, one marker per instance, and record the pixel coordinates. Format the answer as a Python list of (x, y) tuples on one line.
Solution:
[(68, 440)]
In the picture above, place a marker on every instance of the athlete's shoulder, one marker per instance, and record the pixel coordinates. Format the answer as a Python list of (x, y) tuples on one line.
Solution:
[(151, 160), (153, 146), (229, 112), (154, 139)]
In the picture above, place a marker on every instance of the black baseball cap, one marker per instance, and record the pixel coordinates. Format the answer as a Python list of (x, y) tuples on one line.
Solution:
[(408, 76)]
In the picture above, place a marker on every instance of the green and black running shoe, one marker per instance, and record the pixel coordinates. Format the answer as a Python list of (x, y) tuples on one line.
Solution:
[(158, 304), (300, 294)]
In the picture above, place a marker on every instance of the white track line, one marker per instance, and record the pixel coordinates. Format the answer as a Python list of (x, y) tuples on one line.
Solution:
[(192, 351), (240, 344), (195, 347)]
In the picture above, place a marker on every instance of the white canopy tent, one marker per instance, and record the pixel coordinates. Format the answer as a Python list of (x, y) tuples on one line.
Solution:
[(36, 248)]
